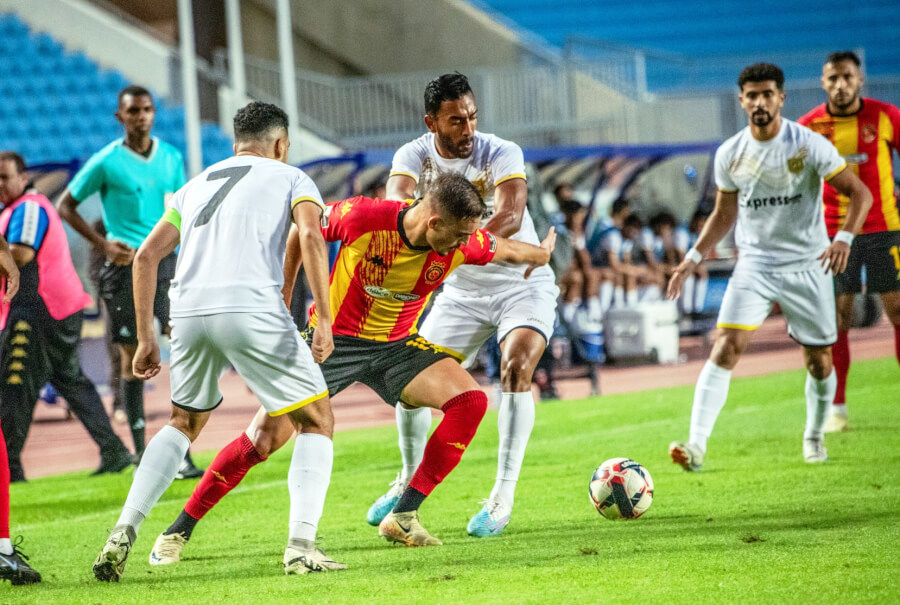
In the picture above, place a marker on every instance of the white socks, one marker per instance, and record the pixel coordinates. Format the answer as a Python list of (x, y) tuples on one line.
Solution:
[(687, 294), (515, 421), (6, 546), (308, 479), (412, 427), (819, 395), (157, 470), (709, 398), (607, 290)]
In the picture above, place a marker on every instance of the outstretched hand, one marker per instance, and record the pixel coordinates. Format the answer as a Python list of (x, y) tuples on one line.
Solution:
[(676, 282)]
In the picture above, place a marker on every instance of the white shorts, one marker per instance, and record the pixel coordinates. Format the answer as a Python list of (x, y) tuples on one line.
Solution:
[(264, 348), (461, 322), (806, 299)]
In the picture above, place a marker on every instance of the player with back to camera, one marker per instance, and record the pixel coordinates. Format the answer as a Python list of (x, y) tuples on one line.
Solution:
[(232, 224), (769, 179), (867, 133)]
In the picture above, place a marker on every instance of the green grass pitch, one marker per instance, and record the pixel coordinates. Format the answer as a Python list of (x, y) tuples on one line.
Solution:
[(758, 525)]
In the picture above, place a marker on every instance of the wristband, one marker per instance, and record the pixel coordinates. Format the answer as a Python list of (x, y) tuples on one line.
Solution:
[(844, 236), (694, 256)]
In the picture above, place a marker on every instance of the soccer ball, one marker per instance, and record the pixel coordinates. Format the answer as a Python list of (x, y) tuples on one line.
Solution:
[(621, 488)]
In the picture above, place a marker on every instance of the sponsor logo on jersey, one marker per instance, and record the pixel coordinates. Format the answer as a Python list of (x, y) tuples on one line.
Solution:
[(435, 272), (382, 292), (777, 200), (796, 163)]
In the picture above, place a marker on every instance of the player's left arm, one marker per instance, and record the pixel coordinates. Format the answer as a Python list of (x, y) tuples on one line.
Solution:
[(510, 201), (293, 258), (846, 182), (308, 218), (161, 242), (519, 253)]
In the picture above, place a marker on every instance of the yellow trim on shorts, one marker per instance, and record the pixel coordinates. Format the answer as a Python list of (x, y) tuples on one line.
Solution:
[(737, 327), (835, 172), (727, 190), (299, 404), (306, 199), (454, 354), (402, 173)]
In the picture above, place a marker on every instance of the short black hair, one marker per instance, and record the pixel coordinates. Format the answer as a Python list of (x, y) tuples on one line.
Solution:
[(135, 91), (761, 72), (662, 218), (254, 121), (448, 87), (633, 220), (619, 205), (844, 55), (456, 196), (15, 158)]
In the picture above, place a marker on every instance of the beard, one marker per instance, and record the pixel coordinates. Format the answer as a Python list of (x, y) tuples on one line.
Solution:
[(761, 118), (459, 150), (844, 102)]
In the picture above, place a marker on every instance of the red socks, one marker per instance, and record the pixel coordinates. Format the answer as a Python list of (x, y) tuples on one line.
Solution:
[(4, 488), (841, 354), (223, 475), (462, 415)]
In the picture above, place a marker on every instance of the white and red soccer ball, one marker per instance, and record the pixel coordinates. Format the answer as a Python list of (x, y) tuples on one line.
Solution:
[(621, 488)]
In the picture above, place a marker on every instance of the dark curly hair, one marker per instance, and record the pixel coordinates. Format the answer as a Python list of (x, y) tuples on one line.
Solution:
[(254, 121), (761, 72)]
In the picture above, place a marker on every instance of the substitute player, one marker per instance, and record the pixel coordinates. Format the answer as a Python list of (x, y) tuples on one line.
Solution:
[(477, 303), (769, 177), (232, 223), (393, 257), (134, 176), (866, 132)]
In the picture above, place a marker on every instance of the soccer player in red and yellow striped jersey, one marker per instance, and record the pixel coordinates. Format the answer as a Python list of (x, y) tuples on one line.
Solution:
[(866, 133), (393, 256)]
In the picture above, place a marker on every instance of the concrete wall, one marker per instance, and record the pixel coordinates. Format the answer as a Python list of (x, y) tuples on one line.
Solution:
[(382, 36)]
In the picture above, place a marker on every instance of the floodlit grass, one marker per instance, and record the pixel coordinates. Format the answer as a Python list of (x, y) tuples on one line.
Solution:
[(758, 525)]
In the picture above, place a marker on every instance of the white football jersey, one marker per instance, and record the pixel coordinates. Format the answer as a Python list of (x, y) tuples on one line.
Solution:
[(493, 161), (780, 224), (234, 221)]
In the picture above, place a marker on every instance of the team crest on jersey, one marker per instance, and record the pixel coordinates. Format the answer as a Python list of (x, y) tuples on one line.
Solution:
[(434, 272), (869, 133), (796, 163)]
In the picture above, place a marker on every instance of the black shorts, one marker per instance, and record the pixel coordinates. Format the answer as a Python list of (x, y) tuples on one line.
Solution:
[(879, 253), (385, 367), (118, 295)]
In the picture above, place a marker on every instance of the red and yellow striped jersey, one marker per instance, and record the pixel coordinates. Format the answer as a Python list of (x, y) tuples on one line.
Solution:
[(866, 140), (380, 281)]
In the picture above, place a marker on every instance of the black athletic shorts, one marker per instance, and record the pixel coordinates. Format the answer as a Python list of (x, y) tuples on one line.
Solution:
[(118, 295), (879, 253), (385, 367)]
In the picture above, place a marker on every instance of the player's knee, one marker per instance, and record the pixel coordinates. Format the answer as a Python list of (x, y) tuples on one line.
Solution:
[(515, 373), (727, 351), (469, 407), (891, 303), (819, 362)]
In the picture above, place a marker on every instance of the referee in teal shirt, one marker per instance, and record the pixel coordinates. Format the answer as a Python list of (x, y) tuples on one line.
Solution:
[(134, 176)]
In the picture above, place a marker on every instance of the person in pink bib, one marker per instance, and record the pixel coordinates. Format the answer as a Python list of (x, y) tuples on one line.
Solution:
[(42, 324)]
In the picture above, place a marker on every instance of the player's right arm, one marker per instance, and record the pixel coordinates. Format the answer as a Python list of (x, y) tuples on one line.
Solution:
[(308, 218), (161, 242), (717, 226), (401, 187), (847, 183)]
